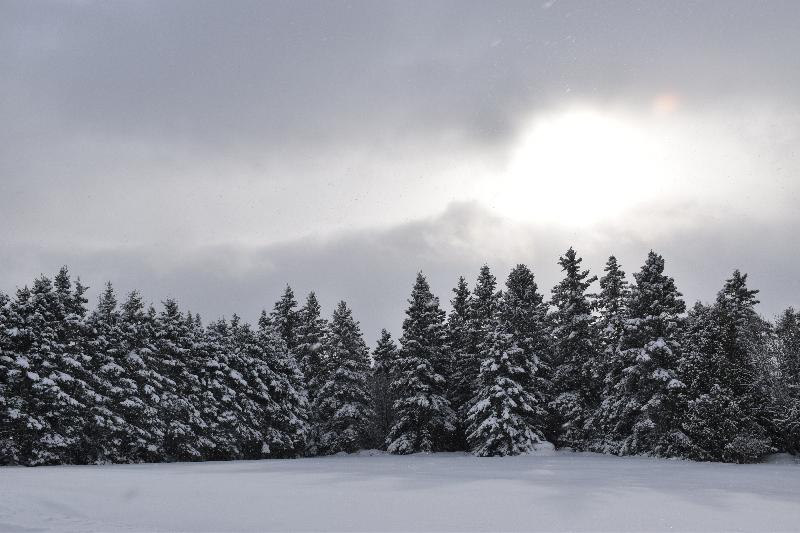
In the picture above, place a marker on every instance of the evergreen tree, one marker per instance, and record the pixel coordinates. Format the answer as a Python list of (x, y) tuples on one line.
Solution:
[(508, 414), (612, 307), (480, 323), (109, 432), (182, 421), (786, 382), (289, 417), (425, 420), (284, 318), (344, 404), (47, 375), (384, 361), (641, 413), (14, 411), (458, 345), (137, 333), (311, 332), (723, 396), (224, 390), (525, 311), (575, 388)]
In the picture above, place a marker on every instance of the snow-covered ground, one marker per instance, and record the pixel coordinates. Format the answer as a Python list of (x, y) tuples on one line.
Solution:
[(441, 492)]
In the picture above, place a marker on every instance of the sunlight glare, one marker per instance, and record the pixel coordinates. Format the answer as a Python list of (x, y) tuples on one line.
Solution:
[(579, 167)]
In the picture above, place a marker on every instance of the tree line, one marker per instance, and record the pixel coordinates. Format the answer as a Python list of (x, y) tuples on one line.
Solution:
[(625, 371)]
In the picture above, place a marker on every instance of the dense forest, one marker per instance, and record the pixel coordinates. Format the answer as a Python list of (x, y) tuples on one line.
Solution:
[(626, 370)]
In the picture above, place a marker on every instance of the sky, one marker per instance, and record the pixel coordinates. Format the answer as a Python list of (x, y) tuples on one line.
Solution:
[(216, 151)]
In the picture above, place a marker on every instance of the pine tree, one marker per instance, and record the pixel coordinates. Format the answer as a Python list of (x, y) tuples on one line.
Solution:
[(425, 420), (612, 307), (109, 433), (344, 404), (311, 332), (507, 415), (181, 417), (13, 406), (47, 375), (284, 318), (384, 359), (786, 383), (458, 345), (482, 308), (253, 376), (289, 418), (526, 313), (724, 412), (575, 388), (224, 387), (642, 410), (137, 333)]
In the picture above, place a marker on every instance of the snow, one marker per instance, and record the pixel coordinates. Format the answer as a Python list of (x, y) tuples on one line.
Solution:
[(373, 491)]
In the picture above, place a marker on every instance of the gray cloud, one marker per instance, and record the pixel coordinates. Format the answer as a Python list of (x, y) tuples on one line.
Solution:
[(216, 151), (374, 270)]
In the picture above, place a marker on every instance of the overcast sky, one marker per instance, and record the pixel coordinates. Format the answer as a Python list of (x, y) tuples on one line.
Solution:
[(215, 151)]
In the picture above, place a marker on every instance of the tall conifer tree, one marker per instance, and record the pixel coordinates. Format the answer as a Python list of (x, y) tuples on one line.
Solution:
[(575, 389), (642, 412), (425, 420), (344, 405), (508, 414)]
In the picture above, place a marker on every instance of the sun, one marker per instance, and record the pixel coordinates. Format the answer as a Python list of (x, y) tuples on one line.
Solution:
[(577, 167)]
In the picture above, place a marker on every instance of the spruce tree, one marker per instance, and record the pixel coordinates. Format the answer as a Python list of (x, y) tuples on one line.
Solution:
[(642, 411), (575, 388), (110, 432), (224, 387), (480, 323), (384, 361), (724, 411), (425, 420), (344, 404), (284, 318), (48, 375), (181, 417), (526, 313), (311, 332), (458, 345), (289, 418), (137, 332), (14, 411), (786, 383), (612, 308), (508, 415)]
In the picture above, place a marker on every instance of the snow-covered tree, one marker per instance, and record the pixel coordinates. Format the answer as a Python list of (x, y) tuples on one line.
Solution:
[(612, 308), (14, 409), (482, 307), (425, 420), (137, 332), (786, 381), (576, 390), (384, 360), (311, 331), (289, 422), (182, 419), (344, 405), (642, 410), (508, 415), (109, 432), (284, 318), (458, 346), (724, 402)]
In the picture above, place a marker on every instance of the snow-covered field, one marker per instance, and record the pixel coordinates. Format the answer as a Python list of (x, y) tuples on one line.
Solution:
[(441, 492)]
